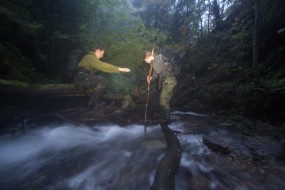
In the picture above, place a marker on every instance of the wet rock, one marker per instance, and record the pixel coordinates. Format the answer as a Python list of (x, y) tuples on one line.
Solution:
[(251, 125), (154, 144), (216, 147), (281, 156), (201, 182), (169, 164)]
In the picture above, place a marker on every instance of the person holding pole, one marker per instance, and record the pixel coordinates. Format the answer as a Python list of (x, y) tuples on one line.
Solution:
[(167, 82)]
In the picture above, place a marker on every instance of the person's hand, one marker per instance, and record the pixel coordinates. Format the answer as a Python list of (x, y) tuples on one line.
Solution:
[(148, 79), (126, 70)]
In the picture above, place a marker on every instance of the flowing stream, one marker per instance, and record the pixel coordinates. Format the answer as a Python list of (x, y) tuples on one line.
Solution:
[(111, 158)]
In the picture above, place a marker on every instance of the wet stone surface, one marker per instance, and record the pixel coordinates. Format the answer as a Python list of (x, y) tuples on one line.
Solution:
[(82, 148)]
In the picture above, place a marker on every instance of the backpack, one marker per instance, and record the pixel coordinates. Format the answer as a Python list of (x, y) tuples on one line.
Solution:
[(171, 59), (73, 59)]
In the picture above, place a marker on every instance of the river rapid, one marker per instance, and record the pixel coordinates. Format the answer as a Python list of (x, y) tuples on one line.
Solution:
[(110, 157)]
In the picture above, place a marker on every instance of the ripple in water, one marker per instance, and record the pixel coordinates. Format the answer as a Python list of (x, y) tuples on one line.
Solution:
[(107, 158)]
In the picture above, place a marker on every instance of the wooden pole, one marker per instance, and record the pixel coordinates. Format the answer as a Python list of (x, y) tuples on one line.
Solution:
[(148, 91)]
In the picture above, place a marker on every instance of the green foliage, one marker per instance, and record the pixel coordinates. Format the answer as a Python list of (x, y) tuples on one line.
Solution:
[(16, 30), (275, 85), (55, 28), (125, 38), (121, 84), (268, 11), (19, 16), (260, 97), (17, 66), (125, 47)]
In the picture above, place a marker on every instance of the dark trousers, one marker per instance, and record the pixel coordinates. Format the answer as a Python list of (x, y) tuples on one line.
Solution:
[(95, 83), (168, 84)]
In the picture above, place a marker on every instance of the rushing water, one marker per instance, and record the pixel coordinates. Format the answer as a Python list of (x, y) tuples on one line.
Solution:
[(109, 158)]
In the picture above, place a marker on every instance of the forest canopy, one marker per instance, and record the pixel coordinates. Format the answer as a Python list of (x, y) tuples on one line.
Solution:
[(39, 36)]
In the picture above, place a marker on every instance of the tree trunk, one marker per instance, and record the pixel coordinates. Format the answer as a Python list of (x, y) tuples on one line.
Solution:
[(255, 61), (217, 14), (51, 36)]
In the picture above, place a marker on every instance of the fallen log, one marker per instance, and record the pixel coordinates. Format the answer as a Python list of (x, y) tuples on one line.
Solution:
[(169, 164), (10, 88), (41, 96), (36, 89)]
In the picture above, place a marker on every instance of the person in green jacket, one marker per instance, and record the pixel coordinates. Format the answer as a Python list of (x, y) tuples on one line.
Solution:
[(168, 82), (86, 75)]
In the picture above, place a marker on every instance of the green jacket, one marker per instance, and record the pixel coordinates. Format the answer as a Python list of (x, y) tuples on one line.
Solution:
[(92, 64)]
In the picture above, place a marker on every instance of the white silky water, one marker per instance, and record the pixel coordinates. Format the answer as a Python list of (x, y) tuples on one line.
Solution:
[(109, 158)]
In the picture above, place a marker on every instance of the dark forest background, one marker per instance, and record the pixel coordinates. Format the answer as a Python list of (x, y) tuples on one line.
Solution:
[(233, 50)]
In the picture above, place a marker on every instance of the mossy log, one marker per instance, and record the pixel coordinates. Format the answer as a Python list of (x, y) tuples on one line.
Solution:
[(49, 90), (42, 95)]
